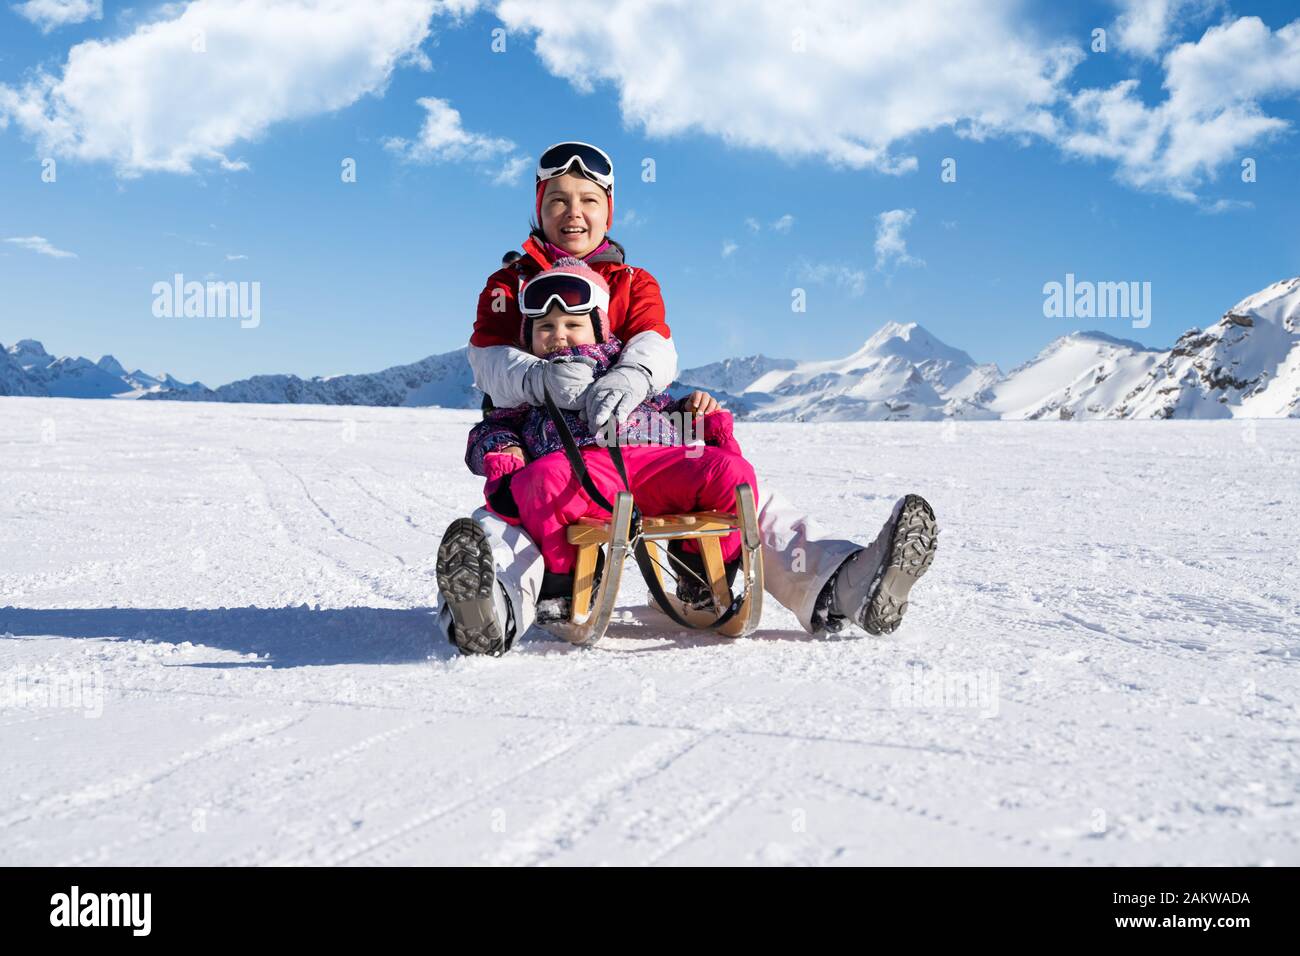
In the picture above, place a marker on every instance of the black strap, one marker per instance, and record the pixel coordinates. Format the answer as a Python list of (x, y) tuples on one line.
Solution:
[(648, 572), (642, 551), (575, 457)]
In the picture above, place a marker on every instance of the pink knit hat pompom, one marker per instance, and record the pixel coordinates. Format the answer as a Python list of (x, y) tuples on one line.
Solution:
[(568, 265)]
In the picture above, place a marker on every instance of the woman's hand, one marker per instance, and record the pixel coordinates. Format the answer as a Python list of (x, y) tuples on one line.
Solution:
[(701, 403), (513, 450), (567, 381)]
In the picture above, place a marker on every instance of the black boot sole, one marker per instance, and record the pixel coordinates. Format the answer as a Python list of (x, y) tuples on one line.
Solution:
[(911, 552), (466, 576)]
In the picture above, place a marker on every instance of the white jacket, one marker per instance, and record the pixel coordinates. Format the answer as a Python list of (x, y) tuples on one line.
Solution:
[(499, 369)]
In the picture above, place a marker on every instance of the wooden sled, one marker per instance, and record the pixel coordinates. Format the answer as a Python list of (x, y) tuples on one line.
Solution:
[(590, 614)]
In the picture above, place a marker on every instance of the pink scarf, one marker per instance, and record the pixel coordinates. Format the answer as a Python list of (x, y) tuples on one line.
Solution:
[(554, 252)]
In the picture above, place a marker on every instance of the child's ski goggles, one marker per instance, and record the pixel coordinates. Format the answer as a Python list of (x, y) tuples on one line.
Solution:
[(574, 294), (594, 163)]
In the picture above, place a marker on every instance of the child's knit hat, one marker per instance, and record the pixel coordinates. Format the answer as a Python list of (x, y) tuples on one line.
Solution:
[(568, 265)]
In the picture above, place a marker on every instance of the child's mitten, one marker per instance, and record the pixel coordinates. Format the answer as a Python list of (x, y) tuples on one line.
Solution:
[(498, 464)]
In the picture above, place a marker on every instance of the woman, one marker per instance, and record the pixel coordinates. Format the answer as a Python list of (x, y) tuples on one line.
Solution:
[(490, 574)]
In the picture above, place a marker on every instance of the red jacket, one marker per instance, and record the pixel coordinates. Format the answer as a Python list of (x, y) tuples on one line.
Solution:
[(635, 303)]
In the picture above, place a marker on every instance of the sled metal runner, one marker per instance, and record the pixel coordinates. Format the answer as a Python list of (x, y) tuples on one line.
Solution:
[(732, 616)]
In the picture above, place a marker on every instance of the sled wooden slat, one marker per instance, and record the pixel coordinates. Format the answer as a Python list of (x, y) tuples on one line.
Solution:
[(716, 569), (596, 530), (667, 519), (588, 534), (583, 573)]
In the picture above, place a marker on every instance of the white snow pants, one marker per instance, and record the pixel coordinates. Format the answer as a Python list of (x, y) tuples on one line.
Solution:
[(798, 560)]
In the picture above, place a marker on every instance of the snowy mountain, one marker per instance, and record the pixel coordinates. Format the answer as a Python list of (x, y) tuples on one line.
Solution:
[(27, 369), (733, 375), (1081, 375), (902, 372), (13, 377), (444, 380), (1245, 365)]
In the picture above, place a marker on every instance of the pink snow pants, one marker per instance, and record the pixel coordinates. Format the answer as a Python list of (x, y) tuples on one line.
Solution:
[(665, 479)]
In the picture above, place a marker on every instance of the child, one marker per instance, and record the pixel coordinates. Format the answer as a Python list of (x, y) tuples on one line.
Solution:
[(520, 453)]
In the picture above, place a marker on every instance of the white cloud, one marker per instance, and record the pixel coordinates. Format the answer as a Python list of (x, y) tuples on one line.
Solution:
[(1209, 118), (151, 102), (230, 258), (834, 273), (1143, 25), (630, 217), (779, 225), (51, 14), (891, 247), (875, 73), (41, 245), (443, 139), (1226, 205), (728, 247), (1147, 27), (510, 170), (870, 75)]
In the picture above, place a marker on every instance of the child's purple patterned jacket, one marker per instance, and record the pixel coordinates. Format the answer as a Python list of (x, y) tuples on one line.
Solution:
[(531, 428)]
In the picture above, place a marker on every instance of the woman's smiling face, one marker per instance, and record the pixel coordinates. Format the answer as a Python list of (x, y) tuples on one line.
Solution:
[(575, 213)]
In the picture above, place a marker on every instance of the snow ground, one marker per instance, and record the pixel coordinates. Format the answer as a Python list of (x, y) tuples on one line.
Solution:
[(1101, 668)]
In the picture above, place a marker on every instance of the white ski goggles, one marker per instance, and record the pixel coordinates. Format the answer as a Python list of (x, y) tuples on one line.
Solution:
[(593, 161), (574, 294)]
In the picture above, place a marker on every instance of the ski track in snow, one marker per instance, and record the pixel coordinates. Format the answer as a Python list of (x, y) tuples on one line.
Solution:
[(242, 598)]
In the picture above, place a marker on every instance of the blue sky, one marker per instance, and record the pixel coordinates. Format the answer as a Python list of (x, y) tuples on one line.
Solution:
[(176, 172)]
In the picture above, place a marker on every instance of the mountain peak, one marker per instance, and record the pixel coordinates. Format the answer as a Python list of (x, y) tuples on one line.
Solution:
[(29, 352), (897, 330), (911, 341), (1093, 335), (112, 366), (1277, 304)]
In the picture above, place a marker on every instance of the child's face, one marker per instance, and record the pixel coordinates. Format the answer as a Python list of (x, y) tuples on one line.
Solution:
[(558, 329), (575, 212)]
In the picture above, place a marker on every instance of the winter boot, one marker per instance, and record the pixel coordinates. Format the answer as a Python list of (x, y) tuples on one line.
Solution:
[(871, 587), (692, 586), (555, 597), (482, 622)]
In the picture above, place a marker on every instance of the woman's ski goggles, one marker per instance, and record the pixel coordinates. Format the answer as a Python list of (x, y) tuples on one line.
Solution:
[(574, 294), (594, 163)]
